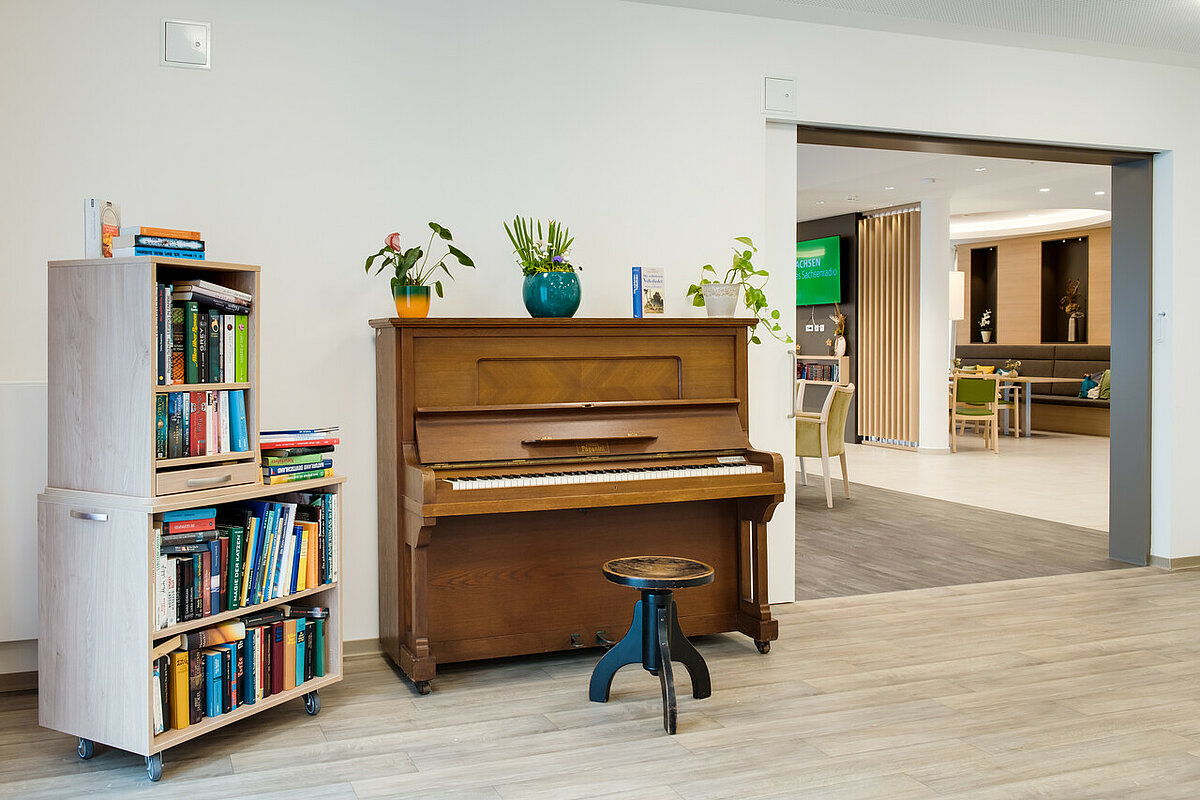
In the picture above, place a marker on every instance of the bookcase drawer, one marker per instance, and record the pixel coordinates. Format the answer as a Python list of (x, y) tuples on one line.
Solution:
[(214, 477)]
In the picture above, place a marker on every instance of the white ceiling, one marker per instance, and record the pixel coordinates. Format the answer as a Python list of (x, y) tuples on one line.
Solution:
[(995, 195), (1162, 31)]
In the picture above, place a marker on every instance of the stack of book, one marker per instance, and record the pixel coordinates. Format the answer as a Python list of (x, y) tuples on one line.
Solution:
[(297, 455), (817, 372), (214, 671), (203, 333), (201, 423), (138, 241), (212, 560)]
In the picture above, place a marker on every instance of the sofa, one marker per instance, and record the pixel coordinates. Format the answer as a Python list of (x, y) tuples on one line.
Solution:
[(1056, 406)]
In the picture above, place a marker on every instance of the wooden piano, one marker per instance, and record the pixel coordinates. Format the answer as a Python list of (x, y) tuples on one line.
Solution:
[(516, 456)]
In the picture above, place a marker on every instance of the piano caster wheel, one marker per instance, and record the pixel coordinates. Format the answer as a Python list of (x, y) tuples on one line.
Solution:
[(85, 747), (312, 703), (422, 687), (763, 647)]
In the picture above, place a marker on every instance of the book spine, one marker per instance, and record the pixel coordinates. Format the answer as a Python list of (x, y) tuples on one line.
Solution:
[(298, 476), (191, 342), (190, 525), (179, 686), (319, 648), (178, 358), (241, 348), (212, 443), (166, 252), (239, 436), (134, 230), (160, 340), (196, 694), (637, 292), (227, 679), (280, 444), (206, 581), (202, 345), (228, 347), (250, 666), (289, 654), (223, 435), (251, 560), (160, 426), (237, 556), (286, 469), (280, 461), (212, 684), (159, 242), (311, 555), (301, 649), (277, 648), (172, 591), (215, 334)]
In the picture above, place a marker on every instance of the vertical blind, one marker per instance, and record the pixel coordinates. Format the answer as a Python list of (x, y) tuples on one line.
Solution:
[(888, 302)]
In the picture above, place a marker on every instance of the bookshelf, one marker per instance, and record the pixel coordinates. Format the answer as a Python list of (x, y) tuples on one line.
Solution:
[(837, 367), (107, 493)]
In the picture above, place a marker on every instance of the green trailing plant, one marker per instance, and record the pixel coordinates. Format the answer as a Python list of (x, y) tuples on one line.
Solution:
[(743, 273), (413, 266), (537, 252)]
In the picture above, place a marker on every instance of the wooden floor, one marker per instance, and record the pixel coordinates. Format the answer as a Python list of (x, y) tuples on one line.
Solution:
[(881, 540), (1074, 686)]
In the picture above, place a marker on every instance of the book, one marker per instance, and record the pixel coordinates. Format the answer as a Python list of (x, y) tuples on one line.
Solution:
[(214, 289), (179, 695), (218, 634), (206, 580), (213, 663), (215, 335), (162, 315), (291, 434), (135, 230), (241, 345), (228, 366), (318, 648), (202, 345), (289, 654), (309, 654), (238, 436), (290, 443), (292, 452), (178, 314), (277, 657), (281, 461), (301, 649), (197, 441), (190, 537), (189, 526), (101, 222), (157, 684), (309, 555), (169, 252), (236, 534), (160, 426), (648, 292), (190, 513), (196, 693), (298, 476), (191, 341), (185, 548), (147, 240), (285, 469)]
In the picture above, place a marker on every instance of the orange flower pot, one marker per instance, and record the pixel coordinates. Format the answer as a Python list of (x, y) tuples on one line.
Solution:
[(411, 301)]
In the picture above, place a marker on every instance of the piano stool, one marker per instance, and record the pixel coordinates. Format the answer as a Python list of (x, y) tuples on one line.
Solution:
[(654, 638)]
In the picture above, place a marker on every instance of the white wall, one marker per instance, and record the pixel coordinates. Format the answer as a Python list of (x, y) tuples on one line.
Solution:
[(322, 127), (935, 301)]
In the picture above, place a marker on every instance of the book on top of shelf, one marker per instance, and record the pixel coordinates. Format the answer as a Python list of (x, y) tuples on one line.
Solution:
[(285, 469), (142, 240), (282, 461), (222, 303), (297, 476), (168, 252), (189, 513), (283, 444), (101, 222), (218, 634), (213, 288), (275, 451), (647, 291), (171, 233), (294, 432)]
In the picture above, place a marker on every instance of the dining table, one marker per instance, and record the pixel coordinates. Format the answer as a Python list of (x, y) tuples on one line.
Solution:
[(1027, 382)]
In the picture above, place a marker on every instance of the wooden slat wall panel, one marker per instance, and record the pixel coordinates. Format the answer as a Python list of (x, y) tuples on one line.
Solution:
[(888, 271)]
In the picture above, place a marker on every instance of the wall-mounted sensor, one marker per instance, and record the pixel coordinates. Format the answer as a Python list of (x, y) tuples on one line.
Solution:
[(779, 94), (186, 44)]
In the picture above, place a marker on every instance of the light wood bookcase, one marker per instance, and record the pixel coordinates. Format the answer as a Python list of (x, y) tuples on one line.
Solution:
[(106, 495)]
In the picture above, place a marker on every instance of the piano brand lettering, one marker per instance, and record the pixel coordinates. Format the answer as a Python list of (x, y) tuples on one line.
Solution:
[(592, 448)]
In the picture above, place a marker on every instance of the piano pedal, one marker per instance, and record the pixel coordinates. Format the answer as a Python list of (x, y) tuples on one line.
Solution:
[(601, 639), (576, 640)]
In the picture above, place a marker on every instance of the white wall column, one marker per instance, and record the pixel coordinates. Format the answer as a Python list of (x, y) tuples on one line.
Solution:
[(933, 426)]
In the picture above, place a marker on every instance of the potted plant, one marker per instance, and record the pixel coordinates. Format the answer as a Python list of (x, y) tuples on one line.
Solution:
[(1070, 303), (837, 342), (985, 325), (410, 284), (720, 297), (551, 287)]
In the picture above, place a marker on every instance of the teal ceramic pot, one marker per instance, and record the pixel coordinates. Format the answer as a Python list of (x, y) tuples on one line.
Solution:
[(551, 294)]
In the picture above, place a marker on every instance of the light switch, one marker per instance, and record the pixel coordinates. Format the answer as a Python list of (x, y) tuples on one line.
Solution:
[(779, 94), (186, 44)]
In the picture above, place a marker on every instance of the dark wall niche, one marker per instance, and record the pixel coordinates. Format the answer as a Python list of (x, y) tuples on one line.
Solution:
[(1063, 261), (983, 289), (813, 342)]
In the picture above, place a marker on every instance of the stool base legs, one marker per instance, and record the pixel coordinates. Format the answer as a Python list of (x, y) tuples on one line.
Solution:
[(654, 640)]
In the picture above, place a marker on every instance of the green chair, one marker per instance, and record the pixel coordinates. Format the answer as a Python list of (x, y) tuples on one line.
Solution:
[(821, 435), (976, 400)]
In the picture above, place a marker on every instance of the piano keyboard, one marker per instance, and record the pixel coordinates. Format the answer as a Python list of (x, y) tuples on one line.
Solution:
[(601, 476)]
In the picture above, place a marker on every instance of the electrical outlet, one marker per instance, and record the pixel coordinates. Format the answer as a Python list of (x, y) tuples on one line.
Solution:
[(821, 327), (809, 328)]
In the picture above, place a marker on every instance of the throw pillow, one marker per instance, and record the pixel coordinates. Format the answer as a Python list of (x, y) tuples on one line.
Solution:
[(985, 370), (1104, 384), (1094, 393), (1087, 385)]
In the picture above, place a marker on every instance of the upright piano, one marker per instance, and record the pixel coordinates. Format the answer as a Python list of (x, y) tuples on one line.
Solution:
[(516, 456)]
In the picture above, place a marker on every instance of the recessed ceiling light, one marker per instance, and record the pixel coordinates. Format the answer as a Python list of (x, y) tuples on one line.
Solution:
[(888, 188), (1031, 215), (820, 202), (981, 169), (1098, 194), (1044, 189)]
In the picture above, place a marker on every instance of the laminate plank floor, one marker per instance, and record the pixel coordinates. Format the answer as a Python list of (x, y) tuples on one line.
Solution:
[(1069, 686), (880, 540)]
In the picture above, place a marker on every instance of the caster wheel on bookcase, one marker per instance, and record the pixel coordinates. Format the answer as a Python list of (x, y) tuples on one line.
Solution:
[(423, 687), (85, 747), (154, 766), (312, 703), (763, 647)]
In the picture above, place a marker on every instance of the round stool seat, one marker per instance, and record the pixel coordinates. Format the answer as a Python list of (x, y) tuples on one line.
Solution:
[(658, 572)]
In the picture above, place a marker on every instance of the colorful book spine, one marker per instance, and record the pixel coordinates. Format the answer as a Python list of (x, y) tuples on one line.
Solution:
[(637, 292), (178, 357), (215, 334), (238, 433), (172, 233), (286, 469), (191, 342), (160, 426), (241, 344), (179, 686), (298, 476), (280, 461), (213, 663), (301, 649), (167, 252), (318, 648)]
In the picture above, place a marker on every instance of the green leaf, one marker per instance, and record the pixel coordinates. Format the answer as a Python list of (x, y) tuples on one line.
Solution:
[(775, 315), (440, 231), (437, 287), (744, 240), (462, 257)]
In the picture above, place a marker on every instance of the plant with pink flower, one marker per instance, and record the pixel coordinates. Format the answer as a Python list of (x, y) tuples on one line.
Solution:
[(413, 266)]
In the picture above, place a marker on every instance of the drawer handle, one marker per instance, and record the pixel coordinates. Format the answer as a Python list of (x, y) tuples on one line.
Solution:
[(91, 516), (211, 481)]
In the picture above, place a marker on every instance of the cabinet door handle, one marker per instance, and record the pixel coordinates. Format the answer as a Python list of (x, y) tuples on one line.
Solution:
[(211, 481), (91, 516)]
